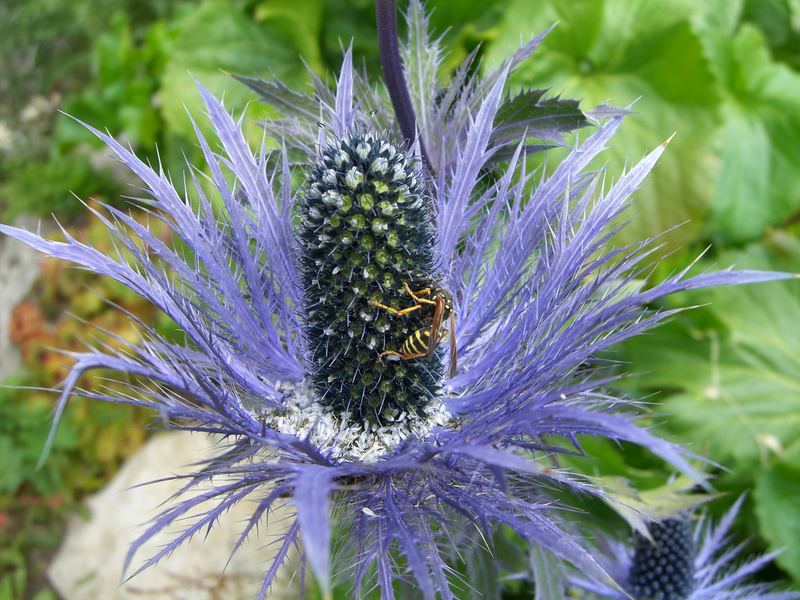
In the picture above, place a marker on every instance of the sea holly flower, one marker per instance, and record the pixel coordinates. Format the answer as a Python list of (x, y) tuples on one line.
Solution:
[(401, 346), (682, 561)]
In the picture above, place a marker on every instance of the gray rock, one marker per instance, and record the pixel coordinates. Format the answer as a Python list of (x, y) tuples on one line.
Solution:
[(89, 563), (19, 268)]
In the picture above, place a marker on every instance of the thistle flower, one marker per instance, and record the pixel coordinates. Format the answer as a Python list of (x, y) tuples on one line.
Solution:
[(300, 352), (681, 562)]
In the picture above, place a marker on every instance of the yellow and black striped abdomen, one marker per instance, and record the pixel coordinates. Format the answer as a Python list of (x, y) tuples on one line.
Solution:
[(417, 342)]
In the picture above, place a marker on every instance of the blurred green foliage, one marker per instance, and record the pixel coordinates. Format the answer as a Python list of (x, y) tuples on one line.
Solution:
[(722, 74), (703, 70)]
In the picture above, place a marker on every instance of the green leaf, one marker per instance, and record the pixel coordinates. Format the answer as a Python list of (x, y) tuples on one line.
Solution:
[(777, 497), (619, 51), (548, 573), (303, 19), (348, 22), (759, 180), (530, 113), (720, 15), (483, 572), (53, 186), (639, 507), (13, 472), (215, 39), (734, 393), (778, 20), (447, 14), (120, 97)]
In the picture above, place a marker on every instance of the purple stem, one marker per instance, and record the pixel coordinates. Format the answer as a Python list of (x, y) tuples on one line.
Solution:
[(386, 12)]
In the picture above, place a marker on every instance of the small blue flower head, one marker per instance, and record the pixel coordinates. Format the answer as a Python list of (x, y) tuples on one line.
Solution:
[(662, 567), (400, 346), (683, 562)]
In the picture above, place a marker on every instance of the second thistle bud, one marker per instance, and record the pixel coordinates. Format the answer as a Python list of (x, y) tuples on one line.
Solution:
[(663, 568), (366, 233)]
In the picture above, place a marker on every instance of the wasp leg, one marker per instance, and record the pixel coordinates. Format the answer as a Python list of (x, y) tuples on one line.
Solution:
[(415, 295), (404, 311), (394, 311), (400, 355)]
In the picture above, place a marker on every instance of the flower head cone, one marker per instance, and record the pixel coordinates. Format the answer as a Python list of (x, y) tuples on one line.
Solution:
[(682, 561), (367, 238), (296, 354)]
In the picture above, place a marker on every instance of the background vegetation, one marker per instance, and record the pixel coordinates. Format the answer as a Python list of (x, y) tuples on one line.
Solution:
[(724, 74)]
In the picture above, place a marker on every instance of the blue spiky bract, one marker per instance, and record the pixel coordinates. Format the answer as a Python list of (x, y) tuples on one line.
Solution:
[(366, 231), (539, 290)]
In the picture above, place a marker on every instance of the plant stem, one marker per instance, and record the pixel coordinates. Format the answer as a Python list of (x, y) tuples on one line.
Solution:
[(386, 13)]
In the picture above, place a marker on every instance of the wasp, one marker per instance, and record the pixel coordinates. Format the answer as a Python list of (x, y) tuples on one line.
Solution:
[(423, 342)]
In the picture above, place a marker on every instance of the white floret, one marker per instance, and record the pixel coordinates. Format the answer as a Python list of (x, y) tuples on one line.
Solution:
[(329, 177), (379, 166), (334, 433), (363, 151), (332, 198), (354, 178)]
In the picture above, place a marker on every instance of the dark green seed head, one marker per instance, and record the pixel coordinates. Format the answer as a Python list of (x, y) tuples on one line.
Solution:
[(365, 230), (664, 568)]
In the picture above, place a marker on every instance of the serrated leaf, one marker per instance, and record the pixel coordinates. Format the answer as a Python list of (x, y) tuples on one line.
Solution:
[(529, 113), (732, 393), (719, 15), (640, 507), (619, 51), (759, 179)]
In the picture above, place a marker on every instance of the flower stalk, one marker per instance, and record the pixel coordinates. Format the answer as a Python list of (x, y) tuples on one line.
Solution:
[(392, 65)]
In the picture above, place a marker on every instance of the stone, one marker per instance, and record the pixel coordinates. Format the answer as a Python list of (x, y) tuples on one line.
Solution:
[(19, 269), (89, 563)]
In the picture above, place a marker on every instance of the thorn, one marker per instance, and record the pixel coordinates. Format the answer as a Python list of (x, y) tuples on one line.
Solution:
[(668, 140)]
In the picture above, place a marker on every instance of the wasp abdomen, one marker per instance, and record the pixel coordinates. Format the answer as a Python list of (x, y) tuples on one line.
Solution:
[(417, 343)]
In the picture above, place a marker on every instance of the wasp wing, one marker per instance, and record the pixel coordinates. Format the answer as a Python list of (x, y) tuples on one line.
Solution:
[(436, 326), (453, 351)]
